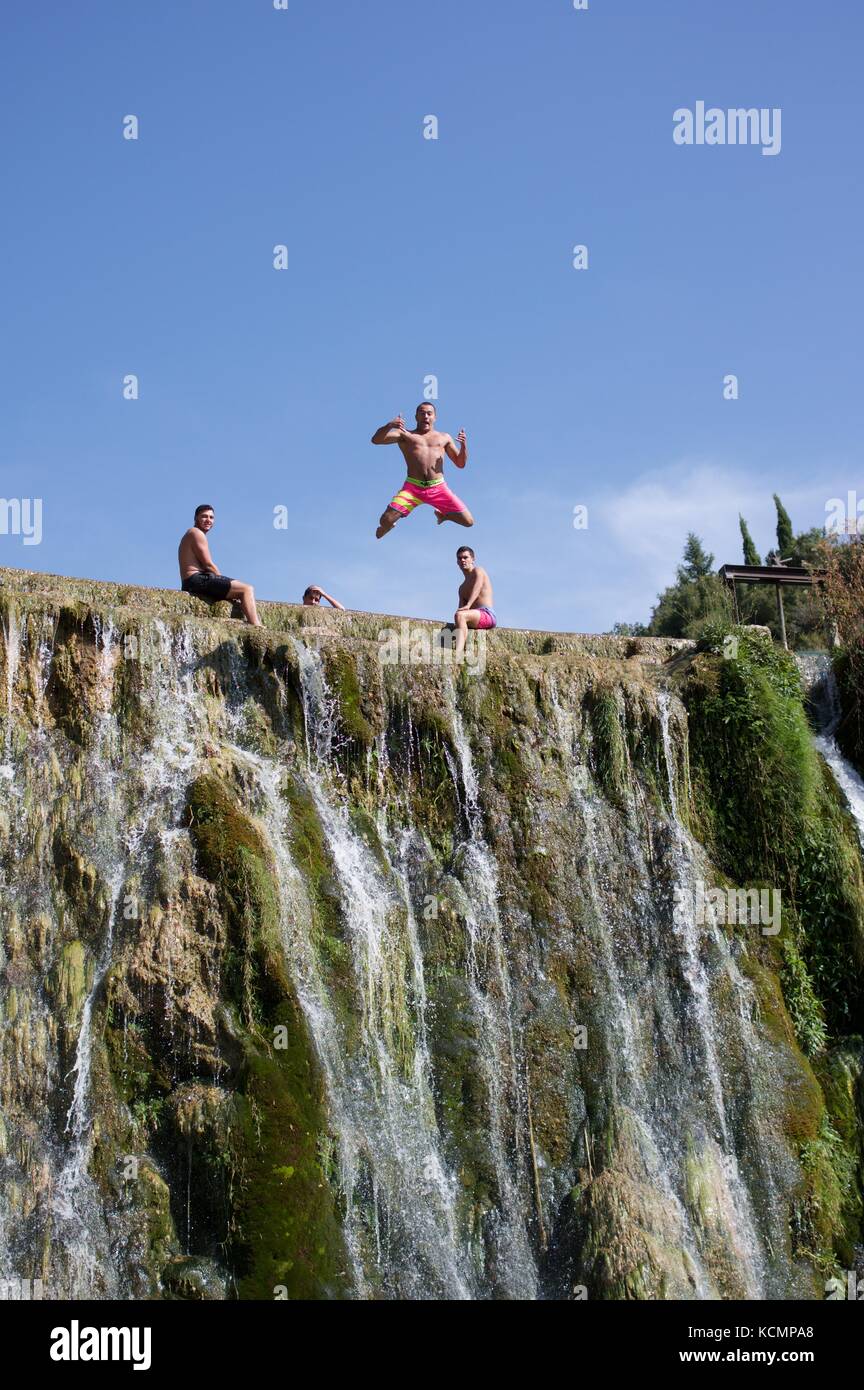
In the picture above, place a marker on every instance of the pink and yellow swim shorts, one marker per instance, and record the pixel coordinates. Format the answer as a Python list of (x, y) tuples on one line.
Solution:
[(437, 494)]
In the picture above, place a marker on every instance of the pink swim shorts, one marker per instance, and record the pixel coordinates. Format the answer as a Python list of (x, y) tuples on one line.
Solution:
[(485, 617), (437, 494)]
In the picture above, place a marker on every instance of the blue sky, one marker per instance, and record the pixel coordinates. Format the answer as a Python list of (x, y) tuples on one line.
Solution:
[(408, 257)]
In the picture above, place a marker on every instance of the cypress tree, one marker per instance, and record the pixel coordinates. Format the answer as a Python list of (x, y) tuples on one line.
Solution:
[(785, 538), (751, 554)]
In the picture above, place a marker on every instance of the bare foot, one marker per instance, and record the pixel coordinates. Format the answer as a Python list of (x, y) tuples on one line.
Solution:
[(382, 531)]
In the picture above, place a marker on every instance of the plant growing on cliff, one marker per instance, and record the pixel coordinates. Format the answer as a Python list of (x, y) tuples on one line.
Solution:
[(841, 594), (767, 809)]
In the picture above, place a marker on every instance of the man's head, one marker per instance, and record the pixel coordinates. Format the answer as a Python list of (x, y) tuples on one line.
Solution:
[(425, 416), (311, 596), (204, 516), (465, 559)]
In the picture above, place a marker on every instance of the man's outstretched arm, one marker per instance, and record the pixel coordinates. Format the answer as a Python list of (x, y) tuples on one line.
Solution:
[(390, 433), (459, 456)]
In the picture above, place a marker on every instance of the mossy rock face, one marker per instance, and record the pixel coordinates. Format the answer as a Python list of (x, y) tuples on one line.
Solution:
[(841, 1073), (75, 691), (769, 813), (632, 1242), (354, 705), (286, 1237), (609, 749), (70, 982), (194, 1280), (541, 905)]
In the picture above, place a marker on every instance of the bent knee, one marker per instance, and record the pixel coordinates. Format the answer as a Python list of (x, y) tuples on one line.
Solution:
[(467, 519)]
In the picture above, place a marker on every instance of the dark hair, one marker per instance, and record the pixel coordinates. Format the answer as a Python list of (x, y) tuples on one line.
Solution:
[(464, 548), (205, 507), (308, 590), (421, 405)]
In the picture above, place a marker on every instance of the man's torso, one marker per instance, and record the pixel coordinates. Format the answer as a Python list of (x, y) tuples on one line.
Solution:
[(484, 598), (188, 553), (424, 455)]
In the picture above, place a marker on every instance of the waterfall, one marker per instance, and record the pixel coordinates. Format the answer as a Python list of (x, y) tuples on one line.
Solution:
[(468, 1147), (383, 1099), (690, 865), (820, 688), (489, 984), (655, 960)]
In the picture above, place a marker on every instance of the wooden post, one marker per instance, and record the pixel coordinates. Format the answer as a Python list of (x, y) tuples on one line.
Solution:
[(782, 616)]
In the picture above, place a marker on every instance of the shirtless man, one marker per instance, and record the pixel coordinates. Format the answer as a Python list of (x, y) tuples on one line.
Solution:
[(424, 450), (199, 575), (475, 599)]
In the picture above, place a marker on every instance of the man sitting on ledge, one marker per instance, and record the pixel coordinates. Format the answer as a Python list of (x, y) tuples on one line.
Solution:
[(200, 577), (475, 599)]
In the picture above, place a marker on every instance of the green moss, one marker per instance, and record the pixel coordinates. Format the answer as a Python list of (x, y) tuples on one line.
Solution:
[(232, 855), (841, 1074), (768, 813), (342, 679), (310, 852), (419, 744), (822, 1214), (287, 1232), (609, 748)]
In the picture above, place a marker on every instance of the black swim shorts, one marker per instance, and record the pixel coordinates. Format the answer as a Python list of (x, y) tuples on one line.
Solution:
[(208, 586)]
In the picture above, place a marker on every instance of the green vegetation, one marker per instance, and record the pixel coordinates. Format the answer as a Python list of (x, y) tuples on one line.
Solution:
[(609, 749), (751, 554), (698, 600), (286, 1227), (842, 596), (769, 812)]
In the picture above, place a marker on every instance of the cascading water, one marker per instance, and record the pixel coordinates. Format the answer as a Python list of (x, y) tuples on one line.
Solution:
[(385, 1110), (820, 686), (490, 991), (123, 825), (690, 866), (440, 970)]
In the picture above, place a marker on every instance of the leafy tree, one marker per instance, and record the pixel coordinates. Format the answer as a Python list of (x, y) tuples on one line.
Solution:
[(785, 538), (751, 554)]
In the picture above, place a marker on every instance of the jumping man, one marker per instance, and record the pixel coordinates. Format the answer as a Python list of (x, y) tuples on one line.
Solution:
[(475, 599), (200, 576), (424, 449)]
